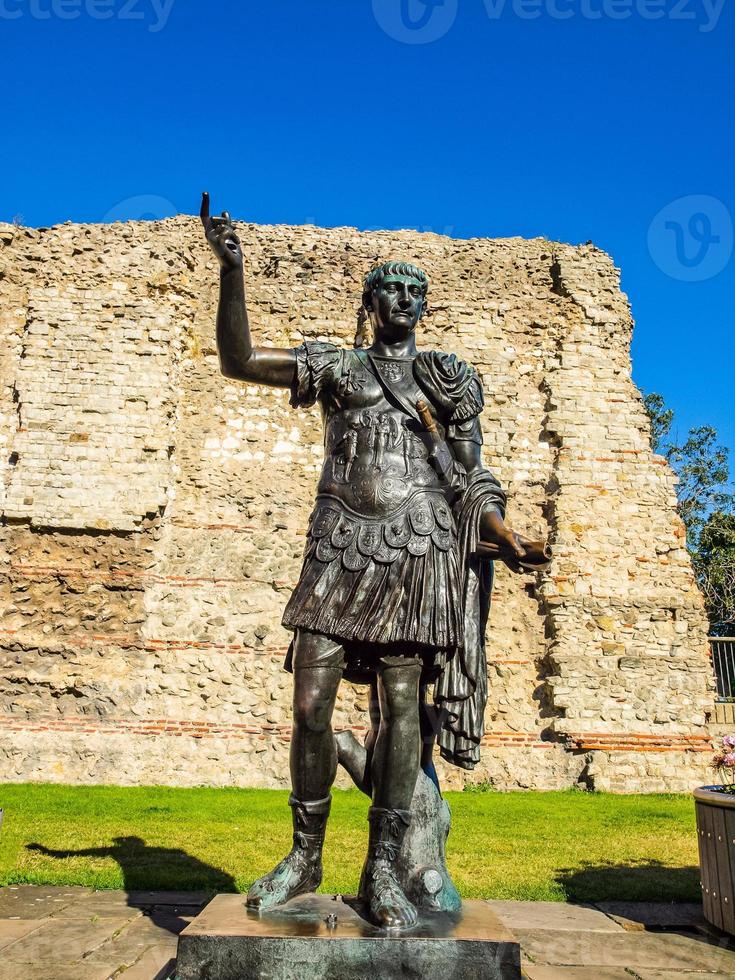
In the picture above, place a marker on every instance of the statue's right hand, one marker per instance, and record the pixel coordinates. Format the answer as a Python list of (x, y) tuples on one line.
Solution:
[(221, 235)]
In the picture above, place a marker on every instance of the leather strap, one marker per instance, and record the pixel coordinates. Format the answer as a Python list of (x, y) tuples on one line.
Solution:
[(395, 398)]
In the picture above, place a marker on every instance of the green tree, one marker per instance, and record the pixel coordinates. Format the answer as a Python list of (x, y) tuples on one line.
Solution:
[(706, 506), (714, 565), (700, 464), (661, 418)]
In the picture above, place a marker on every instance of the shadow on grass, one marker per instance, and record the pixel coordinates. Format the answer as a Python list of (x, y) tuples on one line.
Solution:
[(150, 869), (642, 881)]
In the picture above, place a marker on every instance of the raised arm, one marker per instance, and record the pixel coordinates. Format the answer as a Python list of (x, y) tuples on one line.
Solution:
[(238, 358)]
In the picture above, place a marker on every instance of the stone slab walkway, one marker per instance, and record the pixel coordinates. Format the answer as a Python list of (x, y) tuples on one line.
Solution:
[(78, 934)]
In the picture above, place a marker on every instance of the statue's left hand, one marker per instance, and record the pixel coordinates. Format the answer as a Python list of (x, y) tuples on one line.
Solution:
[(494, 530), (498, 540)]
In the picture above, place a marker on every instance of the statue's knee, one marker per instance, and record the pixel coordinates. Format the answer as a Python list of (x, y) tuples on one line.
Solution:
[(313, 702), (400, 699)]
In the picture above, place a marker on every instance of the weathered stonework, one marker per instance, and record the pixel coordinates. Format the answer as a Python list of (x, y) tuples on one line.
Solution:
[(154, 513)]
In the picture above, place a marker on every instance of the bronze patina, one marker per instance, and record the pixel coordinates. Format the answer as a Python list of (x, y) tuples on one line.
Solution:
[(395, 586)]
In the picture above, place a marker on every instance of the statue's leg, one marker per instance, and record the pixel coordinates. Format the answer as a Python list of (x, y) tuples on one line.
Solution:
[(395, 766), (356, 759), (397, 749), (317, 667), (313, 751)]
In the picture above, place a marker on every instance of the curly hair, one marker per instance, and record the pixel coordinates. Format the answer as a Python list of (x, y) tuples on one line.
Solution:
[(374, 278)]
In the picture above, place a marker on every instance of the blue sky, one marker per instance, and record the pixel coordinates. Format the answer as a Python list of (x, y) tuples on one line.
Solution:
[(609, 120)]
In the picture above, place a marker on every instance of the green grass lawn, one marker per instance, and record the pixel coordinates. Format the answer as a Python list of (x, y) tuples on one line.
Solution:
[(551, 846)]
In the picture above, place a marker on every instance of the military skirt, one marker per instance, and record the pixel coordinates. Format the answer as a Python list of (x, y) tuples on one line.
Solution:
[(386, 580)]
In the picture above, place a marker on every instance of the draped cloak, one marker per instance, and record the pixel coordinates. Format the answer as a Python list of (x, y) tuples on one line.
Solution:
[(461, 690)]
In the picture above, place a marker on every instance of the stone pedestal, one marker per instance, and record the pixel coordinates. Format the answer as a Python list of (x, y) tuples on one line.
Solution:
[(299, 942)]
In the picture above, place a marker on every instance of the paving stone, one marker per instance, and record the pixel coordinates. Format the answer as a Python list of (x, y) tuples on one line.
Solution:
[(625, 949), (101, 904), (119, 958), (157, 963), (90, 935), (654, 915), (11, 930), (36, 901), (158, 929), (552, 915), (574, 973), (174, 911), (131, 945), (681, 975), (54, 971), (60, 942)]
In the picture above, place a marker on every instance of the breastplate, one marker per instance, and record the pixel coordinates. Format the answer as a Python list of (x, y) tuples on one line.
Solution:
[(376, 455)]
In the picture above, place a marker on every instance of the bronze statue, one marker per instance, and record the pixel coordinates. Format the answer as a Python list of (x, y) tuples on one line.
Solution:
[(395, 587)]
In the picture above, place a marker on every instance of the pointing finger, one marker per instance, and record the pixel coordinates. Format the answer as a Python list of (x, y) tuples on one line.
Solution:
[(204, 211)]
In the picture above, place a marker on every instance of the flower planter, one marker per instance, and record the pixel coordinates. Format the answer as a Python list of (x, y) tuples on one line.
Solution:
[(716, 836)]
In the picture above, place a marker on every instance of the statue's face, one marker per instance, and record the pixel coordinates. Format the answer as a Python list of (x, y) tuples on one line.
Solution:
[(397, 305)]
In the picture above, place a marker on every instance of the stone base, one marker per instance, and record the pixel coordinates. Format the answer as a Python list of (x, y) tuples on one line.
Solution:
[(295, 942)]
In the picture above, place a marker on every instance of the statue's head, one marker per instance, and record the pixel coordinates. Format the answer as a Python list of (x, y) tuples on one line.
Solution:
[(394, 296)]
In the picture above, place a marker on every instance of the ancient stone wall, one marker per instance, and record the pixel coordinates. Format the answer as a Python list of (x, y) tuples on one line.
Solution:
[(154, 513)]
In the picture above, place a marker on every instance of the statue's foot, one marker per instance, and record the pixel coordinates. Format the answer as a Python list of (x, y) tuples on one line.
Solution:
[(386, 901), (301, 870), (296, 874)]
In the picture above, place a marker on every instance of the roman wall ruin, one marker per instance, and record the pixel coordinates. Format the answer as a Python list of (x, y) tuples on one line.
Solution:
[(154, 513)]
